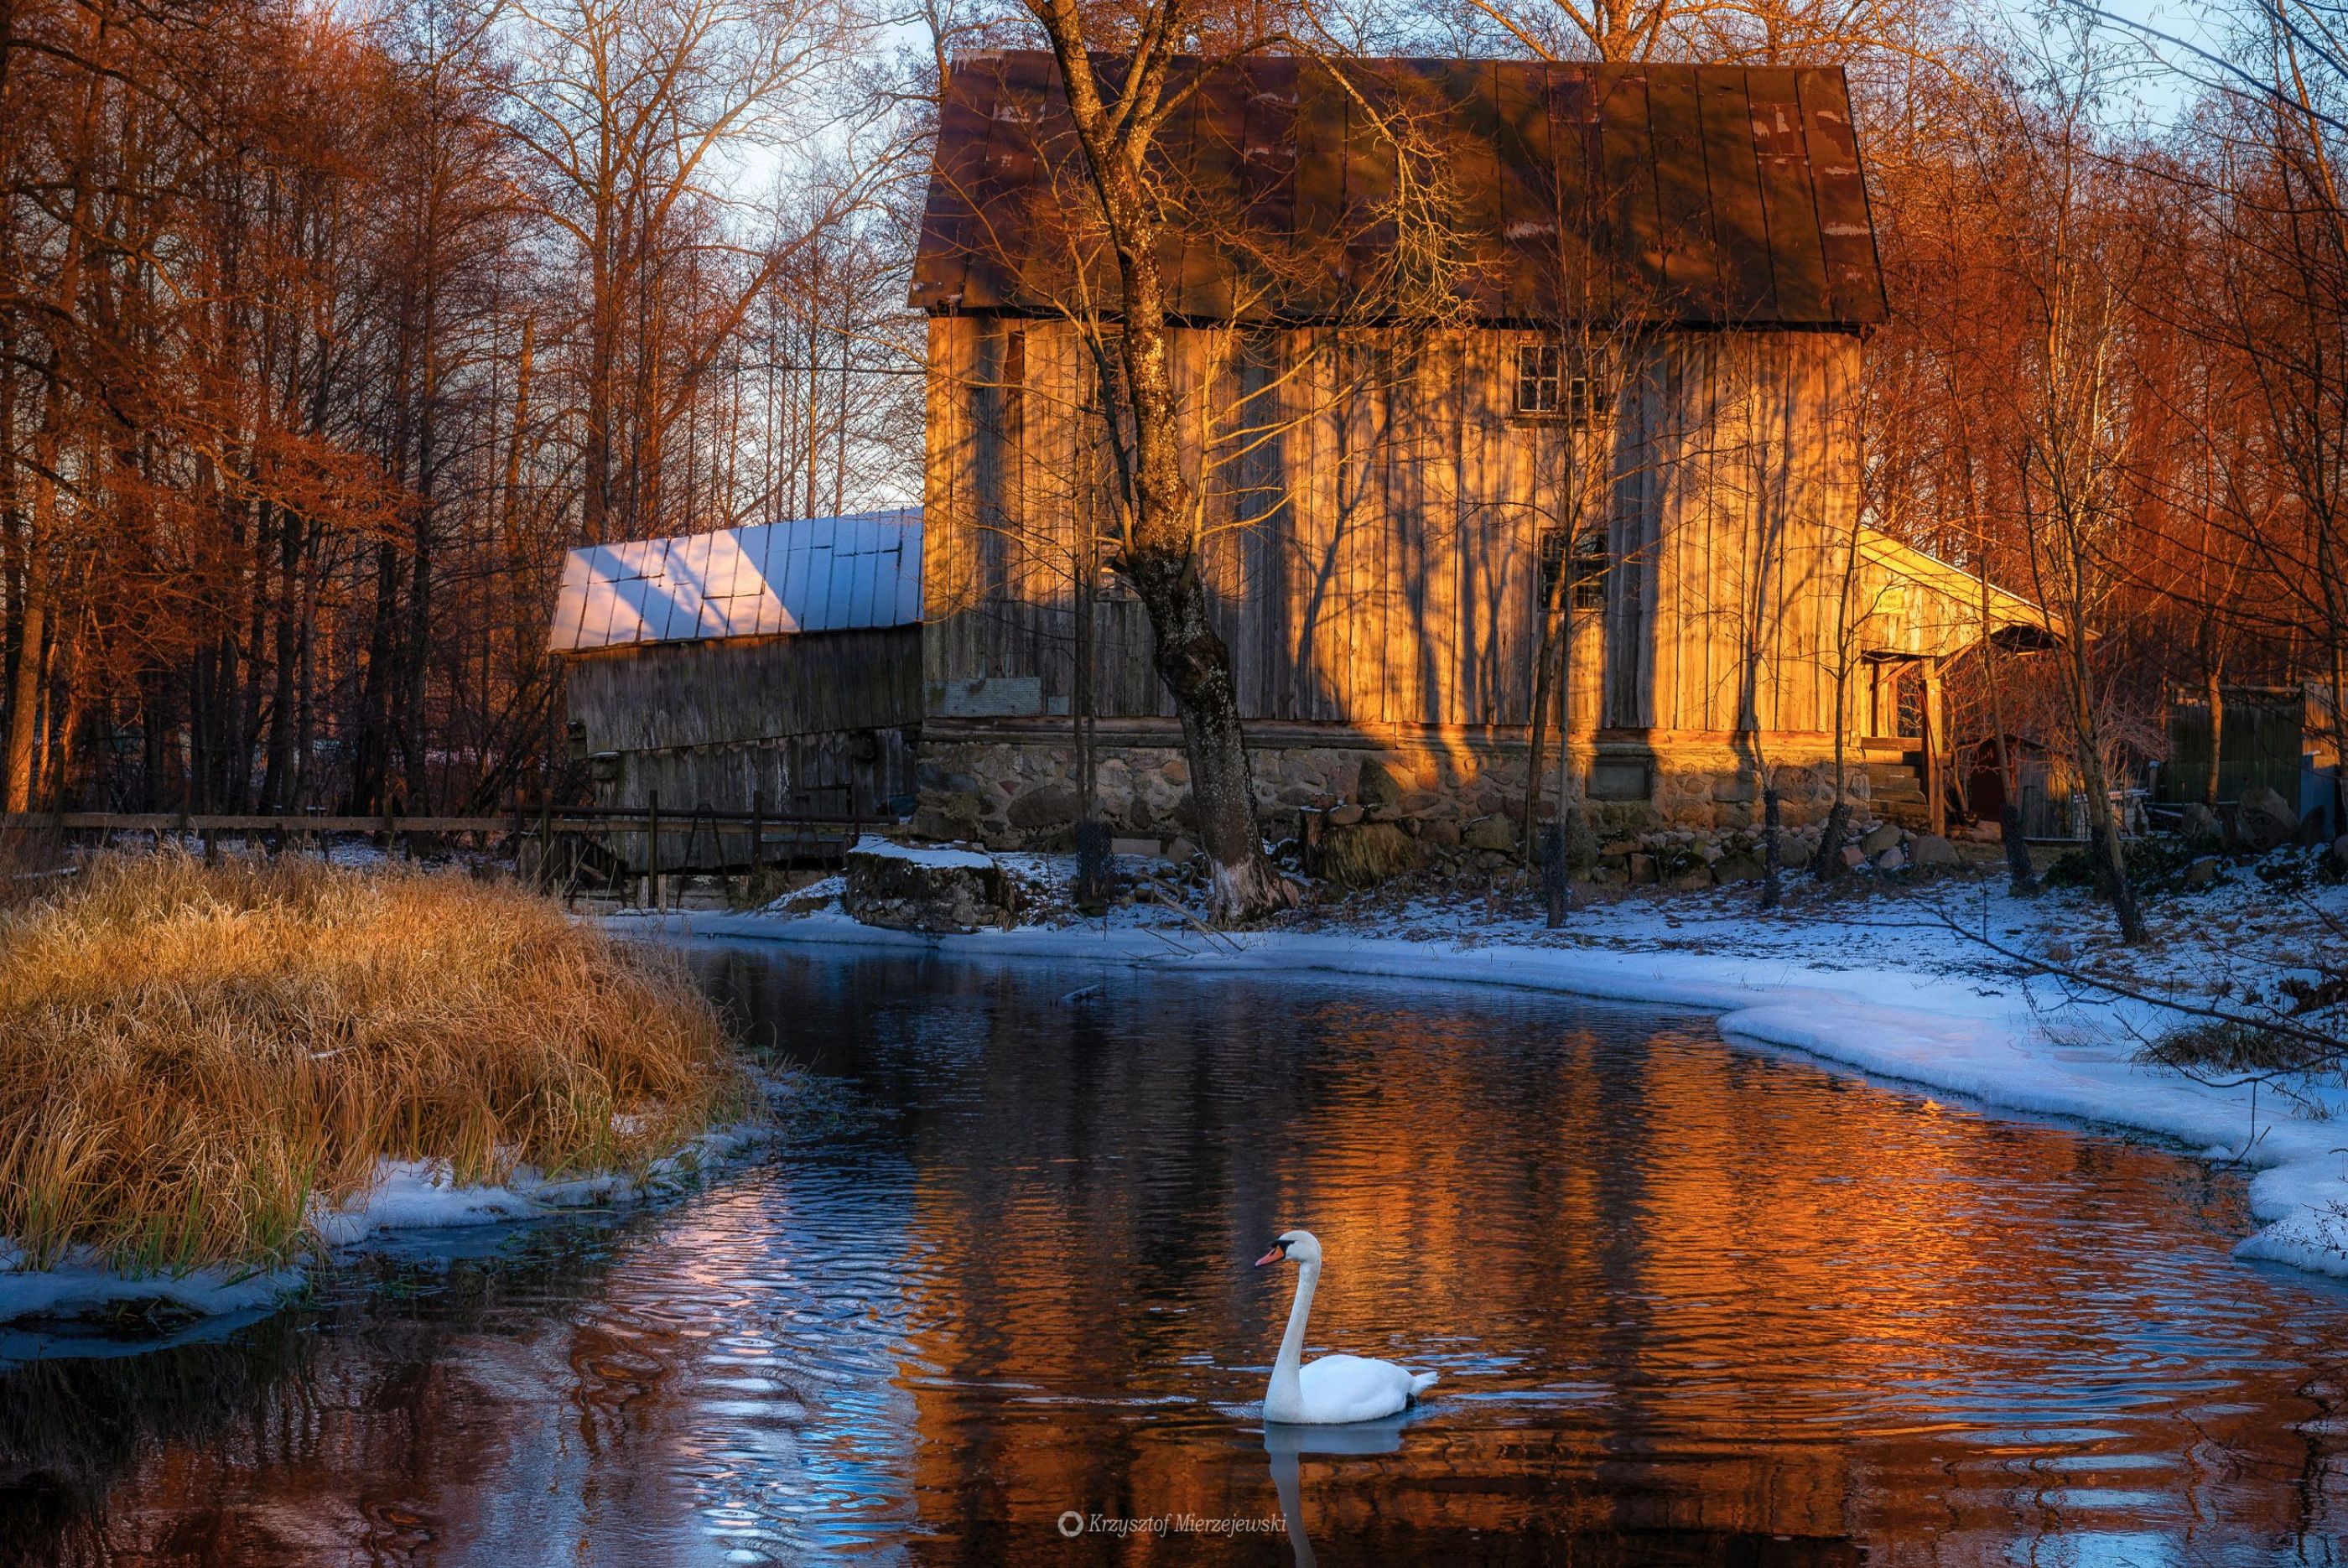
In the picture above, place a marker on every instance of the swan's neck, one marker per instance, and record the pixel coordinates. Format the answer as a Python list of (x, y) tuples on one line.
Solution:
[(1286, 1392)]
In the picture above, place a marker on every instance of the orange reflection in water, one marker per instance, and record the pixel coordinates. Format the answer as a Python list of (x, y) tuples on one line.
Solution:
[(1689, 1303)]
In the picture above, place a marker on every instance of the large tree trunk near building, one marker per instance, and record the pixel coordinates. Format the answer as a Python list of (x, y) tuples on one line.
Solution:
[(1161, 560), (1159, 555), (1196, 667)]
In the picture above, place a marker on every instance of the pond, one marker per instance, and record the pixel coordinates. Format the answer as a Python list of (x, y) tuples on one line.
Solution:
[(1690, 1303)]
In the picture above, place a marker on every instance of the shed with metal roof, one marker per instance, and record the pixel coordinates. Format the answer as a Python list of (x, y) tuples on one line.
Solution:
[(774, 668)]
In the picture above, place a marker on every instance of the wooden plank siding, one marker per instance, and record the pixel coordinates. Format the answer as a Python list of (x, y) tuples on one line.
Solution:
[(1376, 562), (670, 694)]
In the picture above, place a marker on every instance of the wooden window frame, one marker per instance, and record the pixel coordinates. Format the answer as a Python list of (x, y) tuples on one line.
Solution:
[(1553, 388), (1541, 380), (1594, 560)]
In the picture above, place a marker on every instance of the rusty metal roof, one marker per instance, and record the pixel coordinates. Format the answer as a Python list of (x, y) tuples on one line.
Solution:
[(817, 574), (1700, 195)]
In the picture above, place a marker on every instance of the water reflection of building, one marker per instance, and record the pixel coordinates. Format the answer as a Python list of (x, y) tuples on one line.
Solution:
[(1686, 1301)]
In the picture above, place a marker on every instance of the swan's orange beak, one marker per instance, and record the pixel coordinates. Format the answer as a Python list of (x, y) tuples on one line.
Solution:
[(1273, 1256)]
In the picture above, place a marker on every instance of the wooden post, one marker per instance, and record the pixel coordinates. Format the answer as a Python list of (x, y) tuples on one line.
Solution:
[(757, 836), (652, 850), (1936, 805)]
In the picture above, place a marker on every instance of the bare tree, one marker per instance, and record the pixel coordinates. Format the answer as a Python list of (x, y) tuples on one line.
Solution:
[(2073, 436)]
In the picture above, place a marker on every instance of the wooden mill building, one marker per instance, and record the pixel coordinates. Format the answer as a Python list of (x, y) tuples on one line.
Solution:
[(777, 666), (1641, 373)]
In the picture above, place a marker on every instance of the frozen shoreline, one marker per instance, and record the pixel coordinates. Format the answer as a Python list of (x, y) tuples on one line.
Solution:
[(1900, 998), (1881, 987), (407, 1196)]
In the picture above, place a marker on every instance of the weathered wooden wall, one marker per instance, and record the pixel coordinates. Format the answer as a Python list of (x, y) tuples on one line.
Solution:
[(662, 695), (1373, 560), (830, 774), (825, 722)]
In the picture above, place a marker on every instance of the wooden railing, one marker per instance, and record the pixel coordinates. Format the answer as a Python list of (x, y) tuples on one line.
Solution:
[(699, 841)]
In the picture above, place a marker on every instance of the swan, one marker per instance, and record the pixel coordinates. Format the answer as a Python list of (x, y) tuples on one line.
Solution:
[(1335, 1388)]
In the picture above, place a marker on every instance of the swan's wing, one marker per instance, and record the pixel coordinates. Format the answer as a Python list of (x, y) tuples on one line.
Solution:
[(1354, 1388)]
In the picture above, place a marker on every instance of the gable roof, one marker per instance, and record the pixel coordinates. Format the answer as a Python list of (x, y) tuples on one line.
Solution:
[(1693, 194), (817, 574), (1962, 599)]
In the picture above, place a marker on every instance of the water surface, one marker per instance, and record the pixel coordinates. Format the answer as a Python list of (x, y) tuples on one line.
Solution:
[(1690, 1304)]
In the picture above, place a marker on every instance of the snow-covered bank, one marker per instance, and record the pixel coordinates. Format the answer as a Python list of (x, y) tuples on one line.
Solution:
[(406, 1196), (1881, 986)]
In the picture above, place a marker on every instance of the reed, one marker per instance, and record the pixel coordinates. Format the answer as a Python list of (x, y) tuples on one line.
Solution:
[(191, 1055)]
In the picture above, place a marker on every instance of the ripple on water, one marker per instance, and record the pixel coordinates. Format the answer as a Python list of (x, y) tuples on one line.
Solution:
[(1686, 1301)]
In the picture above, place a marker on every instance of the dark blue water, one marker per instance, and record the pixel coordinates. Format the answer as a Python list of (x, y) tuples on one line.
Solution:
[(1690, 1305)]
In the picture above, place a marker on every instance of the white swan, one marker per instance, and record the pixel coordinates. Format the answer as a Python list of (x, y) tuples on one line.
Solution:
[(1336, 1388)]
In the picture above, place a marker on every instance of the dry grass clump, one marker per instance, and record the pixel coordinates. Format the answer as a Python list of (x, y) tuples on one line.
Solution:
[(189, 1055), (1367, 853)]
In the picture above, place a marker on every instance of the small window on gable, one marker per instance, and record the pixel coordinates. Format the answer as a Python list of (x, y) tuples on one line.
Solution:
[(1553, 384)]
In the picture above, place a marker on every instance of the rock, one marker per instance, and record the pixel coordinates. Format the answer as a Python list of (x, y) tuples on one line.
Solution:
[(1881, 836), (1441, 835), (929, 824), (1689, 879), (1053, 806), (1643, 869), (1495, 832), (1985, 832), (2340, 853), (1377, 787), (1345, 816), (926, 890), (2264, 820), (1931, 850), (1181, 852), (1736, 869), (1853, 856), (1145, 848), (953, 814), (2202, 872), (1891, 860), (1616, 849), (2197, 825)]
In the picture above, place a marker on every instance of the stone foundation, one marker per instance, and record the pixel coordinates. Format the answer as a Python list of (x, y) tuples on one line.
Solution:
[(1019, 791)]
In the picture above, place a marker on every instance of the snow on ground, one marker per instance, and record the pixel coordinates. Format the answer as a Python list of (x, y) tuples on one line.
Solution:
[(81, 1288), (921, 854), (1885, 979)]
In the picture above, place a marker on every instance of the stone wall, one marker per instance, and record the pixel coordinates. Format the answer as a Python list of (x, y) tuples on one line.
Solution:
[(1020, 793)]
